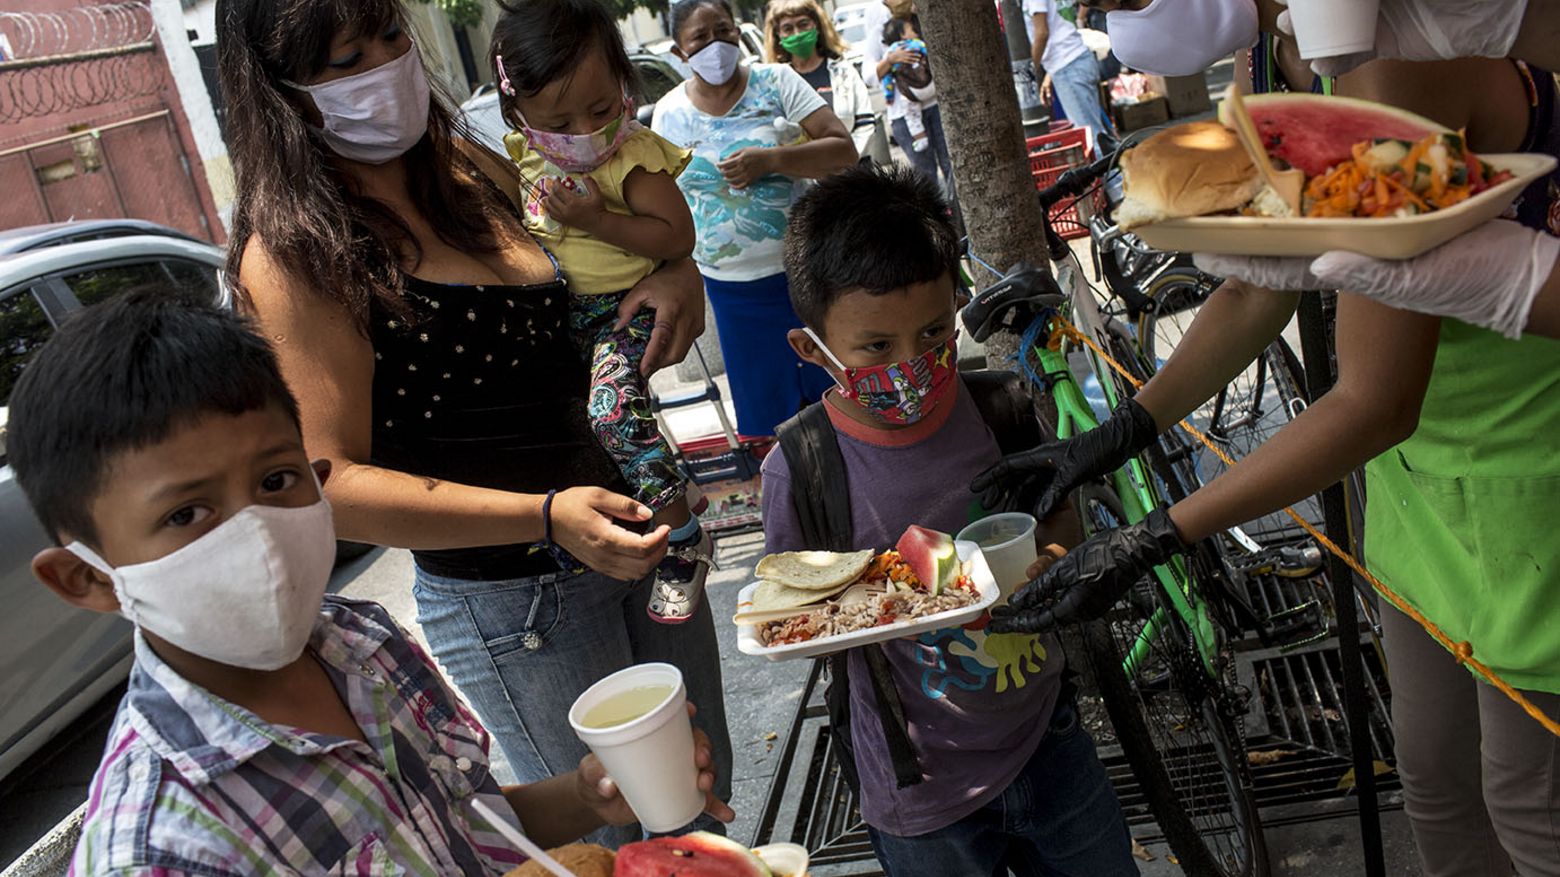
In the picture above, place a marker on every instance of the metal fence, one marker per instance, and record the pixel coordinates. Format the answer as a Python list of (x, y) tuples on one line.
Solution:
[(134, 167)]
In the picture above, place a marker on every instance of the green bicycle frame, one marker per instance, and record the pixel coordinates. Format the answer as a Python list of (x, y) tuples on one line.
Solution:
[(1138, 498)]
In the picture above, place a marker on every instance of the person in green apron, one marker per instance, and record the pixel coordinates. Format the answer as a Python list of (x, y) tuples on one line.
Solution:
[(1459, 428)]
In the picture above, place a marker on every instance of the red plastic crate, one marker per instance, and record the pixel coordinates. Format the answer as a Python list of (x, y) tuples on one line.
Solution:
[(1049, 156), (1040, 148)]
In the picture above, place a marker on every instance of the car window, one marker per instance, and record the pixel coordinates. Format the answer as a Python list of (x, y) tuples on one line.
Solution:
[(23, 329), (100, 284), (654, 81)]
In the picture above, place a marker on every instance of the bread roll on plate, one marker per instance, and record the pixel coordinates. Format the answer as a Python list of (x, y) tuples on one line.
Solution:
[(583, 860), (1193, 169)]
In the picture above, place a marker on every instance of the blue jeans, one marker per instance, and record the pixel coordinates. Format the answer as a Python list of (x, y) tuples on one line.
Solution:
[(1058, 818), (1077, 86), (935, 157), (522, 650)]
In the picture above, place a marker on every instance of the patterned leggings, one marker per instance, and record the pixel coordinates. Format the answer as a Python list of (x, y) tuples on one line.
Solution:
[(619, 400)]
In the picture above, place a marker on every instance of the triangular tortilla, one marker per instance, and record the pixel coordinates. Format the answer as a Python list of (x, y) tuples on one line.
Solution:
[(814, 570), (773, 595)]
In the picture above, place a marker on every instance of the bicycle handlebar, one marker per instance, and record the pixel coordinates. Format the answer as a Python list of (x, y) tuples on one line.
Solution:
[(1073, 183)]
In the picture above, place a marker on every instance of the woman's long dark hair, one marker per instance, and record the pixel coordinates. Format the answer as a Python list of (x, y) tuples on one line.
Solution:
[(313, 224)]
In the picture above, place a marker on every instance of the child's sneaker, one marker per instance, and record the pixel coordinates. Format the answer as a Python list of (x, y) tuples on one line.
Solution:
[(679, 579)]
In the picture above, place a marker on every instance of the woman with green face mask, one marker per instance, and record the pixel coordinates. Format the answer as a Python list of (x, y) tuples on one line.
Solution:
[(798, 33)]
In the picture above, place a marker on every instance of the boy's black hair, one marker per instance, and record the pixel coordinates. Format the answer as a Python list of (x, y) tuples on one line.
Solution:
[(682, 10), (866, 228), (120, 376), (544, 40)]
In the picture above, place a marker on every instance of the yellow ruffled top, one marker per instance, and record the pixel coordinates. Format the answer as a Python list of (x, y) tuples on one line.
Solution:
[(593, 266)]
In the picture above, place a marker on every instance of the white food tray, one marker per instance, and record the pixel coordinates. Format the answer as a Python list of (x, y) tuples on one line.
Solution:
[(1386, 238), (747, 634)]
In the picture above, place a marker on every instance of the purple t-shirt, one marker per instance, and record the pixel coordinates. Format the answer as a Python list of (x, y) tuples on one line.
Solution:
[(977, 705)]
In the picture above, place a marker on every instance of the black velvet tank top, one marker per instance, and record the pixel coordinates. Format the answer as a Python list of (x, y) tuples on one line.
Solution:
[(483, 386)]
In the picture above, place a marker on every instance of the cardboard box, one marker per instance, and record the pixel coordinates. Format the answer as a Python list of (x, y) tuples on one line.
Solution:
[(1186, 95), (1132, 117)]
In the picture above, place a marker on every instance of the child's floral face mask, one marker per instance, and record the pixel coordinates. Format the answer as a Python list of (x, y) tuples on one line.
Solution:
[(898, 393), (579, 153), (572, 153)]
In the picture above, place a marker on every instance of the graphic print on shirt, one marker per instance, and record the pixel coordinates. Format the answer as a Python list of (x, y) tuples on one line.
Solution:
[(1068, 10), (971, 659)]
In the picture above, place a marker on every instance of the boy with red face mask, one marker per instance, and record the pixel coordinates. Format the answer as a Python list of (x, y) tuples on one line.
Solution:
[(1002, 774)]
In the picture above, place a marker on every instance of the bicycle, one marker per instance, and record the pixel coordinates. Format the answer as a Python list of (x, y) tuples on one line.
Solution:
[(1161, 657), (1158, 294)]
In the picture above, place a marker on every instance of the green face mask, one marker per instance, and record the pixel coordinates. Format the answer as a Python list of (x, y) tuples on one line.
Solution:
[(801, 44)]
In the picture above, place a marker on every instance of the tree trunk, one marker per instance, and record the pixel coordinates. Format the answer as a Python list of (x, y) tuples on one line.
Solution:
[(986, 139)]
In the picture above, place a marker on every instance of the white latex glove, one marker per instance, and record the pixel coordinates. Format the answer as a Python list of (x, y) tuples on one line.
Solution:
[(1430, 30), (1487, 277)]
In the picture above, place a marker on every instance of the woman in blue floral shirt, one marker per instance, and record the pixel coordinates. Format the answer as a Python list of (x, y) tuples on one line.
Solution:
[(756, 133)]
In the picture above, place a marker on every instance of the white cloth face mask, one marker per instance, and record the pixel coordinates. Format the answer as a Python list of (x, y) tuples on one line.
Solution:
[(245, 594), (1181, 37), (715, 62), (376, 115)]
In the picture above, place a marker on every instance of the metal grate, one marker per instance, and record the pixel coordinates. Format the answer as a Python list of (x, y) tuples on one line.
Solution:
[(809, 802), (1296, 736), (1300, 693)]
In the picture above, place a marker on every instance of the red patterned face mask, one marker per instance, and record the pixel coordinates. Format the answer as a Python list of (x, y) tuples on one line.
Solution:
[(899, 393)]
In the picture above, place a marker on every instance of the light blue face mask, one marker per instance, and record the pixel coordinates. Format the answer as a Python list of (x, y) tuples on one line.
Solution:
[(716, 62), (377, 115)]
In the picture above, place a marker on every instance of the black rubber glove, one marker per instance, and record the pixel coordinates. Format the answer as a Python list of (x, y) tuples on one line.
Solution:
[(1059, 467), (1088, 580)]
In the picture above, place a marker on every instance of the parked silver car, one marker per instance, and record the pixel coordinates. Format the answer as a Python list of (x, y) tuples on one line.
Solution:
[(58, 660)]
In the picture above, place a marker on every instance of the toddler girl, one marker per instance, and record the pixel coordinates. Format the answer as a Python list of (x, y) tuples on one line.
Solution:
[(599, 191), (913, 81)]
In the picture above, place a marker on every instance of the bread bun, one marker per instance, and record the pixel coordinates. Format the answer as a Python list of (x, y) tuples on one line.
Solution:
[(1190, 170), (582, 860)]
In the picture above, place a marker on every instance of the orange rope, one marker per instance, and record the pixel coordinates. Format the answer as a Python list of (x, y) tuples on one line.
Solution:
[(1462, 651)]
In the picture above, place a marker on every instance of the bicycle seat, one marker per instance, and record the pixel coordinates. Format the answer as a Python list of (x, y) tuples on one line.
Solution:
[(1012, 302)]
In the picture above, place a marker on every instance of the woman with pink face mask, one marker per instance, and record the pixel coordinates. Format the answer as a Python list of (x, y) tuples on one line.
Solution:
[(426, 336)]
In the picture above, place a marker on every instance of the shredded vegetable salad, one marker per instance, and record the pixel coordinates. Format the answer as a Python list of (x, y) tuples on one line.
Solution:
[(1400, 178), (896, 594)]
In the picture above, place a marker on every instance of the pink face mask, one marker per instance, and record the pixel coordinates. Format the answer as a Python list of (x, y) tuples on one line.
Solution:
[(899, 393), (572, 153)]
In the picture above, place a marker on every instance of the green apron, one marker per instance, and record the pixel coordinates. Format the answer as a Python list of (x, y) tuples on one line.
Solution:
[(1460, 518)]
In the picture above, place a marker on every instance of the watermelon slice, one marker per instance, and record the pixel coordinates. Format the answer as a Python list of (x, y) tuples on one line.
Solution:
[(699, 854), (931, 556), (1313, 132)]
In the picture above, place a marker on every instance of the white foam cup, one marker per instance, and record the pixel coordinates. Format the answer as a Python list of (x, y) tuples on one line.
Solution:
[(1326, 28), (1008, 542), (651, 757)]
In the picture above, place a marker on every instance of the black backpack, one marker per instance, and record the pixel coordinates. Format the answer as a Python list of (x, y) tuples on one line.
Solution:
[(822, 501)]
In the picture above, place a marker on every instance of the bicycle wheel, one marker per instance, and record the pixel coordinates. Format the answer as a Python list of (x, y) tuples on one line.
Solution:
[(1175, 724), (1246, 412)]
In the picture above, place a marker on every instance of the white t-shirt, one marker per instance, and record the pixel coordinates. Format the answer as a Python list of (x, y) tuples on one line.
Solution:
[(738, 232), (1065, 44), (877, 16)]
